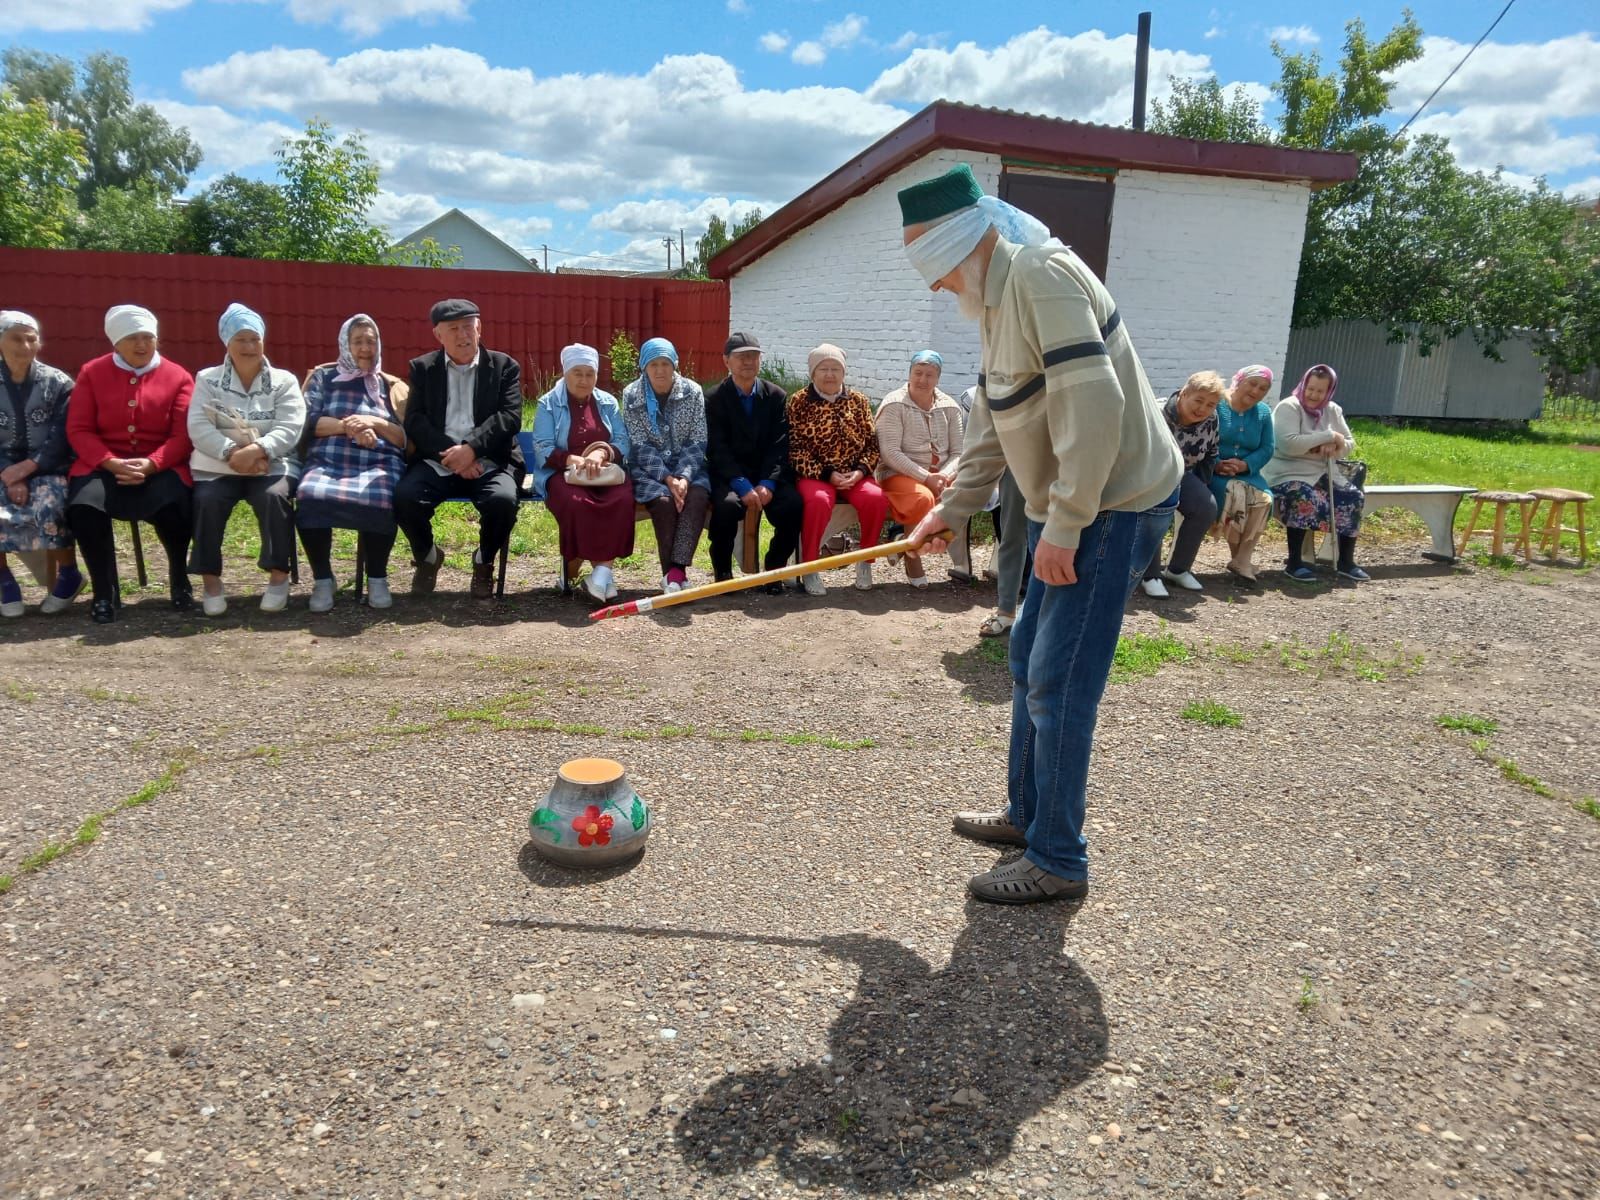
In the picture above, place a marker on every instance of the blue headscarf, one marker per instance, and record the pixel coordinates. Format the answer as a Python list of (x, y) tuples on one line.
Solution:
[(657, 347), (236, 318), (928, 356)]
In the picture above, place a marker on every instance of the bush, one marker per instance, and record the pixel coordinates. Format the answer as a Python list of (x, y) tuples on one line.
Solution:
[(624, 356)]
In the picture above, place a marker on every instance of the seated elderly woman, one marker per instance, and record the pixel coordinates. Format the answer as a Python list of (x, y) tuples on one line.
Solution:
[(666, 418), (834, 452), (34, 457), (354, 453), (245, 423), (919, 445), (1311, 436), (1191, 414), (1245, 445), (580, 442), (128, 426)]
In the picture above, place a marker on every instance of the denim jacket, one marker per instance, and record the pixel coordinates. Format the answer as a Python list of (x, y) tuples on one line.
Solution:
[(552, 422)]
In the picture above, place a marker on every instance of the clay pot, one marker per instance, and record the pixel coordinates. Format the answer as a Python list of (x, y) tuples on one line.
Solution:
[(591, 816)]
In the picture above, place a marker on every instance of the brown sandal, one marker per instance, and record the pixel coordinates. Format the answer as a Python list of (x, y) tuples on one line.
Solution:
[(989, 827)]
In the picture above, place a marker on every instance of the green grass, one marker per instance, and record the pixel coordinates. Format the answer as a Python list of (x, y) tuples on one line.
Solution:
[(1509, 771), (1211, 712), (90, 828), (1339, 653), (1546, 454), (1467, 723), (20, 692), (1139, 655), (1588, 805), (1308, 995)]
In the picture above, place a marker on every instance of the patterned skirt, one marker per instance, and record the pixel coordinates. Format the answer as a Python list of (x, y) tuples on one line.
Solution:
[(40, 523), (1305, 506)]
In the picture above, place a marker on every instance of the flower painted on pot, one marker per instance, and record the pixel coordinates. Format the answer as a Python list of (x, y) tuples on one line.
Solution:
[(593, 826)]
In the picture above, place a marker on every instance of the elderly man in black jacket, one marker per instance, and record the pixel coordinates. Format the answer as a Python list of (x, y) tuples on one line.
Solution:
[(747, 453), (463, 416)]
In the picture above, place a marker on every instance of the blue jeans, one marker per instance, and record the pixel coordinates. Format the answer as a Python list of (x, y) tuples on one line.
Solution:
[(1153, 526), (1061, 651)]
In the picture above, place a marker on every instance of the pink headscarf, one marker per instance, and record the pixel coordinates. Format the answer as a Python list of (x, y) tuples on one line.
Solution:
[(350, 369), (1300, 391), (1253, 371)]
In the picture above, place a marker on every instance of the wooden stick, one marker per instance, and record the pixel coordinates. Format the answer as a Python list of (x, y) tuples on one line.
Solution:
[(705, 590)]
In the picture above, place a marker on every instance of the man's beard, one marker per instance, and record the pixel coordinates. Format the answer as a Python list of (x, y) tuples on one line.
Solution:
[(969, 300)]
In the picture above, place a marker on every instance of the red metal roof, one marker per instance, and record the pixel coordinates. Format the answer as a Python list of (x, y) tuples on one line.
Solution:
[(1046, 140)]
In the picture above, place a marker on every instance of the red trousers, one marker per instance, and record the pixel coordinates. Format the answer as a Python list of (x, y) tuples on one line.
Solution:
[(867, 498)]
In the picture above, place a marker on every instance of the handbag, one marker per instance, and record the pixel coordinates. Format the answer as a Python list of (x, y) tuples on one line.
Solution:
[(608, 476), (1354, 471)]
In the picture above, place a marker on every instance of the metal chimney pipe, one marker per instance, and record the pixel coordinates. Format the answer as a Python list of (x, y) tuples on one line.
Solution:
[(1141, 70)]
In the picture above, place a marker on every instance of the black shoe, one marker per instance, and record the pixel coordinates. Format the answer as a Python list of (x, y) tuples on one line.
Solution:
[(183, 596), (722, 577), (426, 575), (102, 612), (775, 588)]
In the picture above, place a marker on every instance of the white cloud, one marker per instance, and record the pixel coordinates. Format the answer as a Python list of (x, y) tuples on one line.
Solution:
[(443, 121), (910, 40), (1512, 105), (59, 16), (229, 142), (809, 54), (1287, 34), (1214, 32), (845, 33), (774, 43), (1583, 189), (739, 7), (1086, 76), (662, 216), (363, 18)]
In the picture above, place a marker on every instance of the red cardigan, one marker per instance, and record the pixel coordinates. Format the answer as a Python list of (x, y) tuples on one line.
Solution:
[(117, 414)]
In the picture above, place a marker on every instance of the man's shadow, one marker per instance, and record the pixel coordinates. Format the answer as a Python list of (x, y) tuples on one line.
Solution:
[(931, 1073)]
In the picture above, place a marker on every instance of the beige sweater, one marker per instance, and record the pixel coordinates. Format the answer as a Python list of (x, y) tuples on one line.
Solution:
[(911, 440), (1063, 401), (1296, 438)]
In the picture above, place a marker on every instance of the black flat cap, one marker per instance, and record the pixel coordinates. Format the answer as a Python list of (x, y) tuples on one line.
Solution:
[(740, 341), (451, 310)]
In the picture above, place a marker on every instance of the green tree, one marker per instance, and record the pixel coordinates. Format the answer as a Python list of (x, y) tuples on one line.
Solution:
[(328, 189), (126, 144), (426, 253), (716, 238), (235, 216), (1198, 108), (39, 163), (138, 219)]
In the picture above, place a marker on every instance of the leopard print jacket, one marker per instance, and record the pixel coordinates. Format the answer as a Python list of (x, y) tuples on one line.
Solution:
[(831, 435)]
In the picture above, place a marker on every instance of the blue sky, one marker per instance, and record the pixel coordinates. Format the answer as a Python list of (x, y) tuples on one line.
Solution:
[(598, 128)]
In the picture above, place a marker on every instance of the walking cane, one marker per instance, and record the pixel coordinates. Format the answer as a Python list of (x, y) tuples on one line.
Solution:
[(688, 595)]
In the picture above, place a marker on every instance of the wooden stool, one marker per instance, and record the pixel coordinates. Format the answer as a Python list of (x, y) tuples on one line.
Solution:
[(1550, 535), (1501, 501)]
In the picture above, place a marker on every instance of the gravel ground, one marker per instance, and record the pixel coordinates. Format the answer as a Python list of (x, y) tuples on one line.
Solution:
[(1331, 952)]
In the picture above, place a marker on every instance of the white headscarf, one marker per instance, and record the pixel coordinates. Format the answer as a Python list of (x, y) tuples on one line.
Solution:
[(10, 317), (579, 355), (125, 320), (350, 369), (944, 247)]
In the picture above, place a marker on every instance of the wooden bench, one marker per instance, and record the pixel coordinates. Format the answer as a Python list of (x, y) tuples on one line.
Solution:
[(1435, 503)]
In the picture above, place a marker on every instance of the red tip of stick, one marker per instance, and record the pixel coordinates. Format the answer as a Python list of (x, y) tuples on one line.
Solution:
[(615, 610)]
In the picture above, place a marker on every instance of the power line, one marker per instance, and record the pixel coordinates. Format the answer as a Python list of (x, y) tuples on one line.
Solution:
[(1453, 71)]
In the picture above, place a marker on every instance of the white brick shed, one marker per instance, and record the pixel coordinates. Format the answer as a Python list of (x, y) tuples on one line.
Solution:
[(1199, 242)]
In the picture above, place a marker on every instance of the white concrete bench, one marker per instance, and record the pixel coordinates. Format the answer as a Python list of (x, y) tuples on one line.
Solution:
[(1435, 503)]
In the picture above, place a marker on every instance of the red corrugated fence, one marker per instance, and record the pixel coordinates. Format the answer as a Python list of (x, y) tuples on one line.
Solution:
[(530, 316)]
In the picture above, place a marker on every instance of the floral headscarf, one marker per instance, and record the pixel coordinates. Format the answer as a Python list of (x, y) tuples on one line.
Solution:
[(350, 369), (1321, 370)]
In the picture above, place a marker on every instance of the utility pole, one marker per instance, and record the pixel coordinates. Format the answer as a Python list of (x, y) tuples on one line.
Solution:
[(683, 255), (546, 250), (667, 241)]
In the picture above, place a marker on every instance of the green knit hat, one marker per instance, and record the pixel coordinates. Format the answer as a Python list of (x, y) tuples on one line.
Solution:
[(939, 197)]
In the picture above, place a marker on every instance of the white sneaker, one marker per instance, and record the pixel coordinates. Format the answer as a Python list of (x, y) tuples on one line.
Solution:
[(321, 595), (276, 597), (917, 581), (668, 586), (864, 576), (601, 584), (1185, 580), (812, 585), (214, 606), (13, 608), (378, 592), (1153, 588)]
